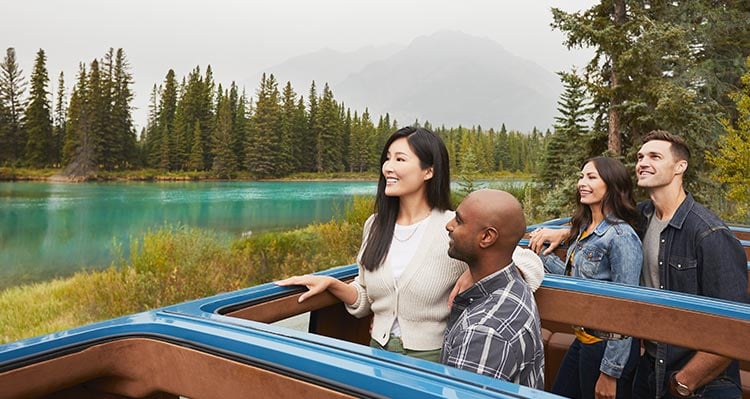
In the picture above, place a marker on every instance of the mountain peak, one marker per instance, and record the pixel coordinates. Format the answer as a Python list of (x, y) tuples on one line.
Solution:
[(447, 77)]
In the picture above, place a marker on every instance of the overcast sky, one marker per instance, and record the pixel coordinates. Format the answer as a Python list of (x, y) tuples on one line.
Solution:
[(238, 38)]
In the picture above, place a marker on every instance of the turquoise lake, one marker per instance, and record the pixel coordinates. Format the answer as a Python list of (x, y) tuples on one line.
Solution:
[(49, 230)]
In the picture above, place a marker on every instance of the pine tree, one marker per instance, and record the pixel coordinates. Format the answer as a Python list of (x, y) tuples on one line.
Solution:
[(12, 86), (502, 153), (263, 146), (182, 131), (451, 138), (242, 128), (98, 101), (77, 123), (301, 138), (167, 109), (467, 163), (345, 119), (224, 157), (194, 107), (195, 161), (660, 65), (58, 121), (607, 27), (309, 162), (124, 138), (206, 112), (108, 144), (329, 134), (534, 150), (355, 163), (288, 156), (722, 30), (484, 149), (38, 117), (79, 150), (362, 143), (567, 147), (150, 137), (237, 104)]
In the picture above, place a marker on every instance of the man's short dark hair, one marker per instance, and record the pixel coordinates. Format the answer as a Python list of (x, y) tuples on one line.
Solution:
[(680, 149)]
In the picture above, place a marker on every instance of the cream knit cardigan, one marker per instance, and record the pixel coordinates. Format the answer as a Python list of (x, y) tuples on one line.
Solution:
[(420, 300)]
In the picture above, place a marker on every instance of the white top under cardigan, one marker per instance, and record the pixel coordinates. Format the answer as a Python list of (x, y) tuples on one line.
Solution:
[(421, 300)]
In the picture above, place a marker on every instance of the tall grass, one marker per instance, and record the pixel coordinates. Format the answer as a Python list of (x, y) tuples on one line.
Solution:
[(176, 263), (173, 264)]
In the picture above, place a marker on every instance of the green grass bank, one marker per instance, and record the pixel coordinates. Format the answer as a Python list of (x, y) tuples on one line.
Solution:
[(173, 264)]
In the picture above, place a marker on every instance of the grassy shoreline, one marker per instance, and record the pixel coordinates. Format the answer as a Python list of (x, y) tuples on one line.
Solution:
[(174, 264), (178, 263), (51, 174)]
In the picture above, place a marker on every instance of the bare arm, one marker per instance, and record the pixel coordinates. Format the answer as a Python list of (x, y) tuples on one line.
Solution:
[(317, 284), (606, 387), (701, 369)]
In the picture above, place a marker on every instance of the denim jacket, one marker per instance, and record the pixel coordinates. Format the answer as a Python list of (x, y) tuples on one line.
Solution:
[(698, 254), (612, 252)]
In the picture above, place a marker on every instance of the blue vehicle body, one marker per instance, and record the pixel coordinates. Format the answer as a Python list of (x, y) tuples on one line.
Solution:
[(342, 366), (205, 325)]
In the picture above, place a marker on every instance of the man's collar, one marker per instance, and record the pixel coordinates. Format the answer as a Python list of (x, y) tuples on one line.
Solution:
[(682, 211), (488, 284), (680, 214)]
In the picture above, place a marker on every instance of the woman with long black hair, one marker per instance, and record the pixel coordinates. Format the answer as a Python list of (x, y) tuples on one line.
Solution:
[(405, 273)]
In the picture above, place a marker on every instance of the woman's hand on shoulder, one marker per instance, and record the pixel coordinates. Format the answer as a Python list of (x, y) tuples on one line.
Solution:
[(314, 284), (540, 236), (462, 284)]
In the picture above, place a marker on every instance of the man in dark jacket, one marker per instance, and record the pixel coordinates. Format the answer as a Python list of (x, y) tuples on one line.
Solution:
[(686, 248)]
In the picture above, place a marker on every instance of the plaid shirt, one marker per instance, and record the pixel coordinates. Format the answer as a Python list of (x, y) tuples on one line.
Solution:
[(494, 329)]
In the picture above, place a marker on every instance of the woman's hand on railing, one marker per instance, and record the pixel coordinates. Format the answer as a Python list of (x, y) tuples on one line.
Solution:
[(317, 284), (314, 284), (539, 238)]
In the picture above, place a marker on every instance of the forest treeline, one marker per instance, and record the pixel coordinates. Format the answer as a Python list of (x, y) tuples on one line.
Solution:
[(676, 66), (195, 124)]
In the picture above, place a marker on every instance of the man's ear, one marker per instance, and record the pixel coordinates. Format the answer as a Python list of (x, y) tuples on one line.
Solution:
[(681, 167), (488, 237)]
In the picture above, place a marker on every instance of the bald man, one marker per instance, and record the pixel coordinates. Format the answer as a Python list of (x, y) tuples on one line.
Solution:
[(494, 326)]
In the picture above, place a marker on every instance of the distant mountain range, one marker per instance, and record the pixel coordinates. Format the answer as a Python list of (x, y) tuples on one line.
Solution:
[(448, 78)]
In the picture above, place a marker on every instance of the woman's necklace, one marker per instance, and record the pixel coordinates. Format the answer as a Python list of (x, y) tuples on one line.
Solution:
[(411, 234)]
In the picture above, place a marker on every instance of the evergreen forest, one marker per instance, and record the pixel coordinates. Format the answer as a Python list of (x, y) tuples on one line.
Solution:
[(676, 66), (195, 124)]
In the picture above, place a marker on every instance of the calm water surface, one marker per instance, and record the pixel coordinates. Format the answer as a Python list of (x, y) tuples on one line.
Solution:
[(49, 229)]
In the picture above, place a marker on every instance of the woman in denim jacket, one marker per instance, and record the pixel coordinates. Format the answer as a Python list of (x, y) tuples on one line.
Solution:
[(600, 364)]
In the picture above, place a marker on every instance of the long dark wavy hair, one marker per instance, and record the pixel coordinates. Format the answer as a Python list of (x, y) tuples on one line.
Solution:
[(618, 202), (431, 151)]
